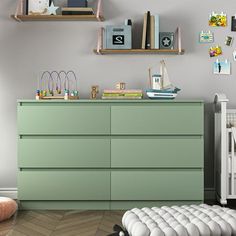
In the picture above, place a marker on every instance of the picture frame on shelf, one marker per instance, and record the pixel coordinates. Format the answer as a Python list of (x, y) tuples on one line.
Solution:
[(37, 7)]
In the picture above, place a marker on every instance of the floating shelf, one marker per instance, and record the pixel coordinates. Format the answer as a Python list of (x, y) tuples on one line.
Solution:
[(176, 51), (139, 51), (57, 18), (20, 16)]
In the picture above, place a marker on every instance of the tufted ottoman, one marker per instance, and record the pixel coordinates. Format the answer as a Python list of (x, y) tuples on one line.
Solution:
[(8, 207), (193, 220)]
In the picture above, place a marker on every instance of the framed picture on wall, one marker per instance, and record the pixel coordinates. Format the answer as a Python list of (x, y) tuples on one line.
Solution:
[(37, 7)]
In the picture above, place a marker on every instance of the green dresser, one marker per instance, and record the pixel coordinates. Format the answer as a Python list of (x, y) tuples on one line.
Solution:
[(109, 154)]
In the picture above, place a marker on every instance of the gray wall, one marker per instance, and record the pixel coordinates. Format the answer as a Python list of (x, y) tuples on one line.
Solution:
[(26, 49)]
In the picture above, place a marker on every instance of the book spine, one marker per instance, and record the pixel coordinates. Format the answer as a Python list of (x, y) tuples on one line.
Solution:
[(122, 91), (157, 32), (144, 31), (152, 32), (148, 34)]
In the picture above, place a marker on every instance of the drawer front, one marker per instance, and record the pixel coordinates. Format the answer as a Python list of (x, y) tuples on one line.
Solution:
[(157, 185), (68, 152), (163, 118), (63, 119), (64, 185), (157, 152)]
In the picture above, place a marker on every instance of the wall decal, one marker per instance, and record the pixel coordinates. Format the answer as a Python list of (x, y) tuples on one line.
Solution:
[(234, 55), (233, 23), (222, 67), (206, 37), (52, 9), (215, 51), (229, 41), (217, 19)]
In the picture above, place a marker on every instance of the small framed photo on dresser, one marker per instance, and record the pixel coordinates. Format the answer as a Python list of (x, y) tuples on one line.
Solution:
[(37, 7)]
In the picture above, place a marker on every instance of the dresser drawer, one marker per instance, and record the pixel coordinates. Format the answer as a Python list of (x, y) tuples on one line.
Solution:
[(157, 185), (169, 152), (161, 119), (62, 119), (64, 185), (68, 152)]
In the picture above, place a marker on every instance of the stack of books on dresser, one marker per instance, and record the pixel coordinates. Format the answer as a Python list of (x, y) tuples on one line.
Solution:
[(122, 94)]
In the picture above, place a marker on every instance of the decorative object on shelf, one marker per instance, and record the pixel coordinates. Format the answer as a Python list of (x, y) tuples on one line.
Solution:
[(37, 7), (218, 19), (118, 37), (215, 51), (167, 90), (206, 37), (39, 12), (77, 3), (52, 9), (51, 85), (166, 40), (233, 23), (120, 86), (229, 41), (234, 55), (222, 67), (94, 91)]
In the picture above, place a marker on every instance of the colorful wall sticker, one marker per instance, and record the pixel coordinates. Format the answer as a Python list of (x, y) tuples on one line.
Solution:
[(234, 54), (215, 51), (218, 19), (206, 37), (229, 41), (233, 23), (222, 67)]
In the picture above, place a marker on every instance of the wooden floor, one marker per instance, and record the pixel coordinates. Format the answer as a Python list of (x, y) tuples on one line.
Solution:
[(61, 223)]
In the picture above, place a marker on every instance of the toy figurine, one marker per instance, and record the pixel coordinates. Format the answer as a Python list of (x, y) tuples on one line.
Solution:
[(94, 91), (120, 86)]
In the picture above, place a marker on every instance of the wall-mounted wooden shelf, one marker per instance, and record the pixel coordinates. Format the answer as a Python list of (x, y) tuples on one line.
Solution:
[(19, 16), (57, 18), (176, 51), (139, 51)]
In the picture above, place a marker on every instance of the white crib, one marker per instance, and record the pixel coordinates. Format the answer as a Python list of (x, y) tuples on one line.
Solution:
[(225, 150)]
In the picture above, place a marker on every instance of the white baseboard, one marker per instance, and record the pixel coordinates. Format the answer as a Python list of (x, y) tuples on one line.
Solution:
[(8, 192), (209, 194)]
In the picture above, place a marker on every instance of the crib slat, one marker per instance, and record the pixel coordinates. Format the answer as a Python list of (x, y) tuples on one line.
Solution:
[(232, 164)]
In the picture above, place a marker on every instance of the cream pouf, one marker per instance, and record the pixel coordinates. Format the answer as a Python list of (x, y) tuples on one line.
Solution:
[(8, 207), (193, 220)]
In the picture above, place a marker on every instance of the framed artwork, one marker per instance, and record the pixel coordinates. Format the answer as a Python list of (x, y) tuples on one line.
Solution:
[(222, 67), (218, 19), (37, 7)]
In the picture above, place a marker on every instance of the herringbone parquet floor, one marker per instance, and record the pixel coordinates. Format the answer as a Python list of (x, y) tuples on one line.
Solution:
[(61, 223)]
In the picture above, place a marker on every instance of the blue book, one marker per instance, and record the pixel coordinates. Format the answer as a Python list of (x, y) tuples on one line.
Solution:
[(77, 3), (157, 31)]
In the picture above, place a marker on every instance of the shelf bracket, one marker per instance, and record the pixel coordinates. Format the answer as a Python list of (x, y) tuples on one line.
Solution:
[(100, 41), (179, 40), (19, 10), (99, 10)]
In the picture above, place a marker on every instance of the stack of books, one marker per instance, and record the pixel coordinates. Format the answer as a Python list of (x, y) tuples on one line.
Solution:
[(77, 11), (151, 30), (122, 94)]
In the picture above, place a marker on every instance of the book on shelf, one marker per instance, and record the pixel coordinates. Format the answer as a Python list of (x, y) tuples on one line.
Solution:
[(122, 94), (120, 98), (123, 91), (77, 11), (150, 37), (77, 3), (144, 31), (148, 31)]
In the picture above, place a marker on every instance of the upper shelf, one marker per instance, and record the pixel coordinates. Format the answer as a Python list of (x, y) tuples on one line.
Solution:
[(58, 18), (19, 16)]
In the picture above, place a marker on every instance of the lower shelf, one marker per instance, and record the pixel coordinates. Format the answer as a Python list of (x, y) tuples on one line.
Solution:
[(139, 51)]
